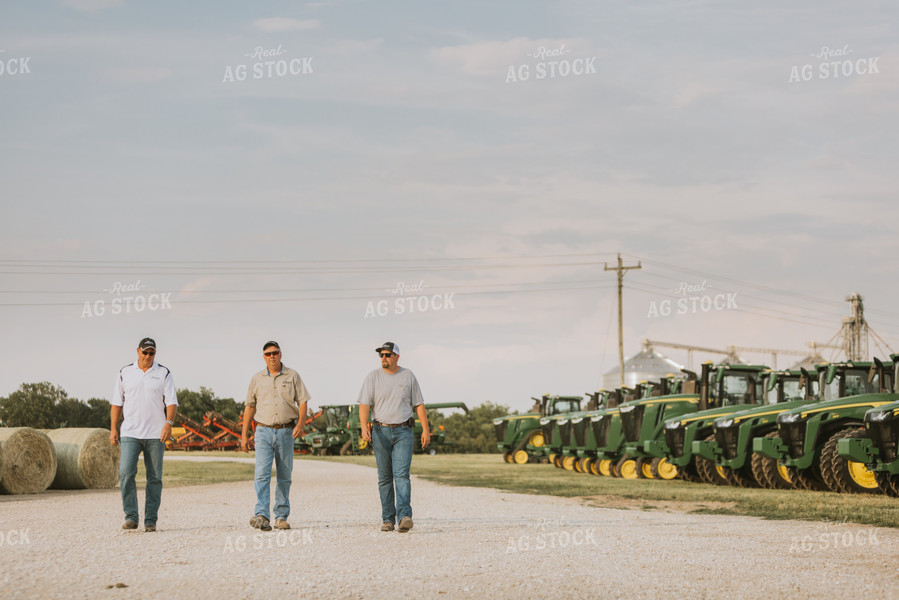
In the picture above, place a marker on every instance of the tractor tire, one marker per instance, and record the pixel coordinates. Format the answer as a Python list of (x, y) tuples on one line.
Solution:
[(804, 479), (689, 473), (347, 448), (537, 440), (662, 469), (739, 478), (577, 465), (568, 463), (604, 467), (552, 458), (643, 469), (768, 472), (520, 457), (888, 482), (587, 465), (557, 461), (848, 476), (594, 466), (613, 469), (507, 456), (627, 468), (708, 471)]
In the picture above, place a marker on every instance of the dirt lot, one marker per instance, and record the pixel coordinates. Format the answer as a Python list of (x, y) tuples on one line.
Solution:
[(467, 543)]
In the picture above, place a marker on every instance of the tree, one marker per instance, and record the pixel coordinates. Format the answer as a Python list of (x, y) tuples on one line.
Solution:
[(194, 405), (33, 405), (71, 412), (99, 413), (473, 432)]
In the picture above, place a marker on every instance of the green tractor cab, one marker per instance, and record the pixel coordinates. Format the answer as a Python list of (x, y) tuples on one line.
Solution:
[(723, 390), (808, 436), (731, 447), (520, 437)]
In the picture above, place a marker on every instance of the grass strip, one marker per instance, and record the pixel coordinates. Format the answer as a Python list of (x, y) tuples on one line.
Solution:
[(489, 470)]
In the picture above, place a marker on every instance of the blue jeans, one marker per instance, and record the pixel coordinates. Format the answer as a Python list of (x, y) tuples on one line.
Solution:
[(393, 453), (273, 445), (153, 451)]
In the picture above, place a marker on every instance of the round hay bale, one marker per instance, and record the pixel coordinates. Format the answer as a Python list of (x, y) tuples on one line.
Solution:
[(29, 461), (85, 458)]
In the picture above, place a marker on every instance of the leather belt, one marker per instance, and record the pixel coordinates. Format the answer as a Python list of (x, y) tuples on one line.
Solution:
[(403, 424), (279, 426)]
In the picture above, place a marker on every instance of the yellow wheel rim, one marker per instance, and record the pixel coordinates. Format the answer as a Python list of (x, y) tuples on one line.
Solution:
[(520, 457), (646, 469), (603, 467), (629, 469), (666, 469), (363, 444), (568, 463), (784, 473), (537, 440), (552, 457), (578, 466), (593, 467), (861, 475)]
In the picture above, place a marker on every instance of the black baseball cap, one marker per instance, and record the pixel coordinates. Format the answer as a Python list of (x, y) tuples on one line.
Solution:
[(147, 343), (269, 344), (390, 347)]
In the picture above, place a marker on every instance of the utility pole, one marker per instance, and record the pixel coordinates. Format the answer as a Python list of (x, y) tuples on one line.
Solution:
[(621, 269)]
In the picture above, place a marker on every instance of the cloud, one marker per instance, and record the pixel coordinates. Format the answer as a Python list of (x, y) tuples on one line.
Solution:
[(92, 5), (138, 74), (286, 24), (492, 58)]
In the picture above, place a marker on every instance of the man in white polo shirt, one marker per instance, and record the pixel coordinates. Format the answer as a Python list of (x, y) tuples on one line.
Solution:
[(144, 395)]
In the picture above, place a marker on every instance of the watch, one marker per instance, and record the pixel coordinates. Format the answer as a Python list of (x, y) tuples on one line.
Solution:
[(169, 422)]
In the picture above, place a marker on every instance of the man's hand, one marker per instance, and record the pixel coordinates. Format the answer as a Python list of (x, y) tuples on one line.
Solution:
[(298, 430), (425, 438), (166, 433), (114, 437), (243, 441), (366, 432)]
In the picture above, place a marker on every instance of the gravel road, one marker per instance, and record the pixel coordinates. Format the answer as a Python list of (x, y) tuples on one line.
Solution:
[(466, 543)]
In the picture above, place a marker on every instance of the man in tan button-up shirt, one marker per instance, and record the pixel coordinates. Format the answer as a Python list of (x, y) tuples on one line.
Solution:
[(276, 400)]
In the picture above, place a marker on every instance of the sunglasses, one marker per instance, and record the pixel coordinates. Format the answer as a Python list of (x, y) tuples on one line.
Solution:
[(386, 354), (148, 352), (275, 353)]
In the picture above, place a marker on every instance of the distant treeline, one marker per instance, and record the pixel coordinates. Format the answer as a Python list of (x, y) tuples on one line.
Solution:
[(47, 406)]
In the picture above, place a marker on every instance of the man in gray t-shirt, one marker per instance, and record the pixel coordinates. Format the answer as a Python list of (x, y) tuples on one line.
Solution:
[(391, 394)]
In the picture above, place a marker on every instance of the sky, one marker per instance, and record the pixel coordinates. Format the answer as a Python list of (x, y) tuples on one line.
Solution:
[(455, 177)]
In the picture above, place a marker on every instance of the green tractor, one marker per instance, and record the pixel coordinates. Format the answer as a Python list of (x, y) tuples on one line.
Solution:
[(605, 425), (438, 433), (520, 437), (808, 436), (731, 447), (877, 448), (723, 389), (562, 436), (642, 421), (334, 436)]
